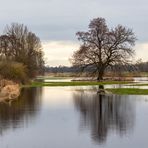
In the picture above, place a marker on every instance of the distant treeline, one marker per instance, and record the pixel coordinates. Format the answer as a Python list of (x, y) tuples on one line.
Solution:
[(142, 66), (138, 67), (61, 69)]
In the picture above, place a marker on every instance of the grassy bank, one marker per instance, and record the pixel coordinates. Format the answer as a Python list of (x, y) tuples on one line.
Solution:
[(128, 91), (52, 78), (74, 83)]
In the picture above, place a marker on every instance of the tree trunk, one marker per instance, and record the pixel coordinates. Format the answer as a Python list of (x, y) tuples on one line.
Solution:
[(100, 75)]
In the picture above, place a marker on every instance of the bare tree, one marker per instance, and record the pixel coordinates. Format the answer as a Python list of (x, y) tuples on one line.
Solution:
[(20, 45), (103, 47)]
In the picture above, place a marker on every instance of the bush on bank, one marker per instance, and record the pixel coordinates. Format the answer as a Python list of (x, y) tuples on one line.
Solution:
[(13, 71)]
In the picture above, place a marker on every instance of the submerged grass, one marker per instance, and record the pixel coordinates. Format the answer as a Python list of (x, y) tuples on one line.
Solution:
[(128, 91), (141, 84)]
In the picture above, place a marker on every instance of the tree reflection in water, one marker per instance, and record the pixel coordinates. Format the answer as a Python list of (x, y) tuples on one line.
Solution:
[(21, 111), (103, 114)]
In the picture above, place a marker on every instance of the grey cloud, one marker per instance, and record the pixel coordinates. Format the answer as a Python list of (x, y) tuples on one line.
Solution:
[(61, 19)]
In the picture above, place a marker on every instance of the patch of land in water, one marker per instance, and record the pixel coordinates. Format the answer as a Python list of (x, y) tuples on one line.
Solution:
[(119, 91), (128, 91)]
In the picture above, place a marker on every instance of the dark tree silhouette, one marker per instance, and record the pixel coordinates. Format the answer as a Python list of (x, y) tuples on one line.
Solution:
[(103, 47)]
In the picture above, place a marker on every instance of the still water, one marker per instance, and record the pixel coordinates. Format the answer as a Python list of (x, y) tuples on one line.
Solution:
[(71, 117)]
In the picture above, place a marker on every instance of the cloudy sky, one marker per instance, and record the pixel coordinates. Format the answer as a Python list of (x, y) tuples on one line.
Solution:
[(57, 21)]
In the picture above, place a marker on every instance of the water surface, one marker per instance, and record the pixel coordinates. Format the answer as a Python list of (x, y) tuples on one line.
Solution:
[(73, 117)]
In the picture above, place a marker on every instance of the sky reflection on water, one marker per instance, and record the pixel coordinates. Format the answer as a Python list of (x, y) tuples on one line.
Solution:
[(63, 117)]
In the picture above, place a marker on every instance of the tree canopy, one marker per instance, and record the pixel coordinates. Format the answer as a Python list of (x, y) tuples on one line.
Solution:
[(103, 47)]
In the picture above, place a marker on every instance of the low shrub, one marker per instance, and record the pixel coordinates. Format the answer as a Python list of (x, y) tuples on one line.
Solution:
[(13, 71)]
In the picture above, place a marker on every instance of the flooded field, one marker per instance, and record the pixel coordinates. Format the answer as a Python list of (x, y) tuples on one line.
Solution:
[(70, 117)]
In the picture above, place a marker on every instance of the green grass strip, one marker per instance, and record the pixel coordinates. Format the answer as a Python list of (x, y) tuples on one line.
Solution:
[(74, 83), (128, 91)]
